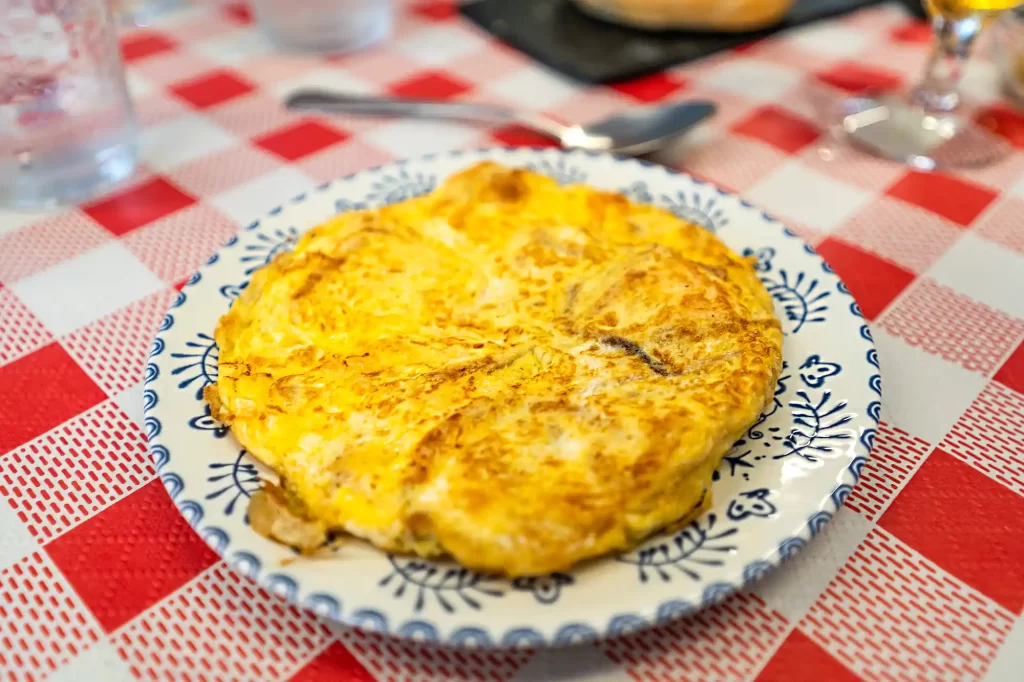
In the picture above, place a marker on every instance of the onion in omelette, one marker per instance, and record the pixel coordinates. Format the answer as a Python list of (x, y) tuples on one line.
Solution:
[(509, 372)]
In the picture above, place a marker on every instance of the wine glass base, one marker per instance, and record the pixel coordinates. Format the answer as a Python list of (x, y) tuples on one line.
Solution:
[(893, 128)]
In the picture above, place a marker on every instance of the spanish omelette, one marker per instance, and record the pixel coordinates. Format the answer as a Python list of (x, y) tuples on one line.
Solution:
[(513, 373)]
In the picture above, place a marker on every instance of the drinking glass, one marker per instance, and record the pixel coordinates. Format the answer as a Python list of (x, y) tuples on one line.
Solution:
[(141, 12), (927, 127), (67, 128), (324, 25)]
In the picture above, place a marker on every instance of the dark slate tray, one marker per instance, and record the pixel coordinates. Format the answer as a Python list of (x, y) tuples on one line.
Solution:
[(557, 34)]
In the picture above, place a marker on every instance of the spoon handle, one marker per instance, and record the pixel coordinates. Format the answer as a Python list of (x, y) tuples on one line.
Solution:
[(340, 103)]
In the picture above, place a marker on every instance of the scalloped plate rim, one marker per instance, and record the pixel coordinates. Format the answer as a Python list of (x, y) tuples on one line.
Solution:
[(476, 634)]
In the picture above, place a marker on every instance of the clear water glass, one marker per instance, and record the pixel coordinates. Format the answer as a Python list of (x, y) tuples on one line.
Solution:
[(325, 25), (141, 12), (68, 131)]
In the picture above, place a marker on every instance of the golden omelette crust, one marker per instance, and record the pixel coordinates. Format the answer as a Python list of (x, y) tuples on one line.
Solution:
[(514, 373)]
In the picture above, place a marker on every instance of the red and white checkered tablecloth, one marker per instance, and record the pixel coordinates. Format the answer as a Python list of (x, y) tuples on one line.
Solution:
[(920, 577)]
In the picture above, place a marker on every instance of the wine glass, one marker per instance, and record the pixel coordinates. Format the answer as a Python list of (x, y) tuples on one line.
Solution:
[(926, 128)]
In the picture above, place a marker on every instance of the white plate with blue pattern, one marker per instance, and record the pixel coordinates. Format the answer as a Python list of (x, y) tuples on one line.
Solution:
[(774, 492)]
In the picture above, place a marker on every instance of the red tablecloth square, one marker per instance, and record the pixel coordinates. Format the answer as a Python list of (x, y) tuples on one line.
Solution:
[(873, 281), (966, 523), (779, 128), (1003, 121), (333, 664), (1011, 374), (238, 11), (799, 659), (516, 136), (430, 85), (141, 45), (39, 391), (858, 78), (651, 88), (437, 11), (958, 200), (138, 206), (211, 89), (130, 555), (301, 140), (914, 31)]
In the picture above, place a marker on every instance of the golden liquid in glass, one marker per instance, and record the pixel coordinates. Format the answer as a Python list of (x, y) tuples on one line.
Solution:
[(957, 9)]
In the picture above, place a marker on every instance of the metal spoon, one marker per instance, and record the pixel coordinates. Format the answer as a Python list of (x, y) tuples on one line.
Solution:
[(633, 132)]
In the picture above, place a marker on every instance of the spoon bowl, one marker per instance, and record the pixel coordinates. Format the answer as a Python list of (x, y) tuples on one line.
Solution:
[(643, 130)]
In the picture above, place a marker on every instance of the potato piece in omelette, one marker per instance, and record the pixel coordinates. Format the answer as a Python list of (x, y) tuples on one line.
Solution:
[(513, 373)]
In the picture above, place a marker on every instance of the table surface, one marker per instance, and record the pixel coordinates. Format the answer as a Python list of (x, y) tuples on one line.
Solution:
[(918, 578)]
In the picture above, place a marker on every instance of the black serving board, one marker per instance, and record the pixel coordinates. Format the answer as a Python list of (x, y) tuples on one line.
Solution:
[(557, 34)]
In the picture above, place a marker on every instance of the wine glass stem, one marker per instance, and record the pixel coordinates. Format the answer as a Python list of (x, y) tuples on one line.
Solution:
[(939, 90)]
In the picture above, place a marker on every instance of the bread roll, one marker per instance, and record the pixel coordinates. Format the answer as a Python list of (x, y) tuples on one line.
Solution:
[(699, 15)]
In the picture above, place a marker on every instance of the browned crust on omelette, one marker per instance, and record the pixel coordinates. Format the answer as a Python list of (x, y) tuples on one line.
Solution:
[(514, 373)]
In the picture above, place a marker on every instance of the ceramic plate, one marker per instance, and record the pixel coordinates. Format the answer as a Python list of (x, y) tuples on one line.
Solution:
[(774, 492)]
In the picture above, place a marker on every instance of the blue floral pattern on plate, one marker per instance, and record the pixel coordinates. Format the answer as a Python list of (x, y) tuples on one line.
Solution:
[(775, 490), (698, 207), (233, 482)]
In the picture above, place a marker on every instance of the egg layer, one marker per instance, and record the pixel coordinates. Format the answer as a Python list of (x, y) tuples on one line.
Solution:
[(513, 373)]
